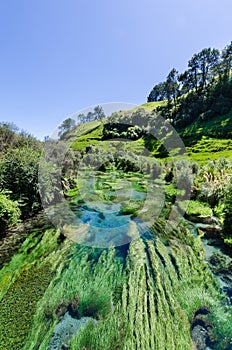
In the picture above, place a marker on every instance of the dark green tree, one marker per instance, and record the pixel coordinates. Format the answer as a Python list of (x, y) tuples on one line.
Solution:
[(66, 126), (227, 59), (158, 93), (186, 82), (81, 118), (90, 117), (201, 67), (99, 113), (172, 86)]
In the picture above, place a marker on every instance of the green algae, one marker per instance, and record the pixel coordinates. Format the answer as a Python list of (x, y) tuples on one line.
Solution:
[(166, 284), (145, 300)]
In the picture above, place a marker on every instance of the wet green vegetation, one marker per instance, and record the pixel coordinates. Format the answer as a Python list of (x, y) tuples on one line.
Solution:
[(145, 300)]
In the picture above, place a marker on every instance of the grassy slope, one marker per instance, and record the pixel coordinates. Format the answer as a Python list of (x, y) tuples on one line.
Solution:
[(151, 105), (204, 140), (210, 139)]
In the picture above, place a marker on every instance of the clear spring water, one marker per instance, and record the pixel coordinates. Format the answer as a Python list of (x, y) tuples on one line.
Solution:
[(107, 214)]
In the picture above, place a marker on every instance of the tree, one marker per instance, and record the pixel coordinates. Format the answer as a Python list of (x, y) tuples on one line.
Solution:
[(66, 126), (99, 113), (172, 86), (209, 60), (81, 118), (193, 73), (186, 82), (9, 126), (90, 117), (154, 94), (7, 138), (201, 66), (158, 93), (227, 59)]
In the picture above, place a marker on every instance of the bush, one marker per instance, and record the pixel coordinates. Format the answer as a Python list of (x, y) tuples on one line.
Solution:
[(18, 174), (9, 212), (227, 210)]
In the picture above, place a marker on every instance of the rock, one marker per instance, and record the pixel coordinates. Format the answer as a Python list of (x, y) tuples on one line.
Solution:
[(65, 329), (210, 231), (68, 306), (209, 220), (133, 232), (199, 336), (218, 261)]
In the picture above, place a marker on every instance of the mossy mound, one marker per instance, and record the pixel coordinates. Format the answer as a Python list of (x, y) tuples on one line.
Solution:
[(19, 305)]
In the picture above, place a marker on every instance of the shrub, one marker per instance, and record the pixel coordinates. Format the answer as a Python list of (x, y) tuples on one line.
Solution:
[(18, 174), (9, 212)]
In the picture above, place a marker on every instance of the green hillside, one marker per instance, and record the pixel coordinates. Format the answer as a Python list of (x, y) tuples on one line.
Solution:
[(204, 139)]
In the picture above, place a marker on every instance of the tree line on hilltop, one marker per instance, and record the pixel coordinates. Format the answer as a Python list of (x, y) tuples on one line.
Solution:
[(69, 123), (204, 89)]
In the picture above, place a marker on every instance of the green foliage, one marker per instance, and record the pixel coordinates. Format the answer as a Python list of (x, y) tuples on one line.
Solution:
[(222, 330), (198, 208), (144, 295), (159, 297), (213, 131), (212, 181), (22, 284), (205, 139), (162, 282), (227, 210), (171, 192), (67, 125), (11, 137), (18, 174), (91, 274), (203, 90), (95, 115), (9, 212)]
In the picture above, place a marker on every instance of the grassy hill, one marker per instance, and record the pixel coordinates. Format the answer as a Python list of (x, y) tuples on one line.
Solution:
[(204, 139)]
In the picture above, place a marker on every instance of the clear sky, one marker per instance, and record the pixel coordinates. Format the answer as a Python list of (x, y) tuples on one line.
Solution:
[(60, 56)]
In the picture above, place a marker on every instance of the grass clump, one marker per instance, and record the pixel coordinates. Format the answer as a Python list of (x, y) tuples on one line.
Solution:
[(198, 208)]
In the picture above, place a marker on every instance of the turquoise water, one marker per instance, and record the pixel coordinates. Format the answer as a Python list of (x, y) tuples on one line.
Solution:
[(106, 216), (107, 225)]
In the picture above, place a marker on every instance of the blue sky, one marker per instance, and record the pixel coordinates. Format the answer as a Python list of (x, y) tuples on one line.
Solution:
[(60, 56)]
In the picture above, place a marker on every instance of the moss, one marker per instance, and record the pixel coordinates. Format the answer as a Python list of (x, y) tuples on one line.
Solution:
[(131, 208), (198, 208), (19, 304)]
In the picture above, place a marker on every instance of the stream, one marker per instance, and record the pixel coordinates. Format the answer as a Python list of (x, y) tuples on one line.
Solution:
[(217, 256), (112, 213)]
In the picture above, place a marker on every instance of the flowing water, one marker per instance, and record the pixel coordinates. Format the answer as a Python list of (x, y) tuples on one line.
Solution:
[(114, 209)]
